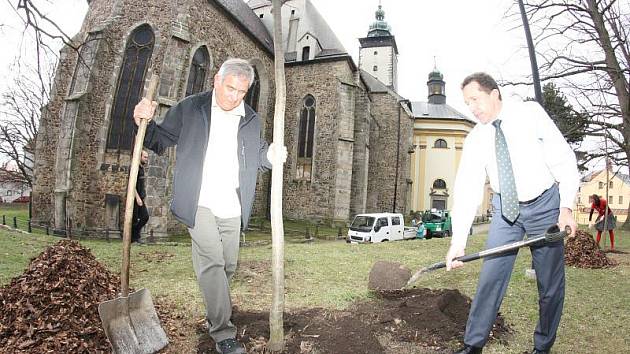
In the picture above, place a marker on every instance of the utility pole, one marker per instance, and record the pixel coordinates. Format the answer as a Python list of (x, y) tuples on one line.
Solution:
[(532, 53)]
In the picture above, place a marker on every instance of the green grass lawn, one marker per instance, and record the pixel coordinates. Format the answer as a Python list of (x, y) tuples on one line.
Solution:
[(333, 274)]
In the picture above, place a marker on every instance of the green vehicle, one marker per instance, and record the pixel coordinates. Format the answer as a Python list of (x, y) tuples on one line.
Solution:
[(437, 223)]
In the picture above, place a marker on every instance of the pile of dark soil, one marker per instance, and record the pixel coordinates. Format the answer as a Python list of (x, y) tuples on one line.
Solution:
[(388, 276), (582, 251), (53, 306), (434, 320)]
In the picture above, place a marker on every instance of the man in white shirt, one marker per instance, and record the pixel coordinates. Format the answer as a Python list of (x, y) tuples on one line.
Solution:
[(219, 152), (536, 170)]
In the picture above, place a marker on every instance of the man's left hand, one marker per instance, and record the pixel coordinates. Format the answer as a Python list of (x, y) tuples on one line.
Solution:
[(280, 154), (566, 219)]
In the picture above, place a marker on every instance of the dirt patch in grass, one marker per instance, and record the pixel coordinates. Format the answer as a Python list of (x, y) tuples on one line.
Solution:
[(433, 320)]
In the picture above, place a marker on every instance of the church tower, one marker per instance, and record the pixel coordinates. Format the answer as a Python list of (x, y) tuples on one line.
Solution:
[(378, 53), (436, 86)]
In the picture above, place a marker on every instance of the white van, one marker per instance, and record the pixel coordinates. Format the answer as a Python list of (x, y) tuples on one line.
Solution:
[(377, 227)]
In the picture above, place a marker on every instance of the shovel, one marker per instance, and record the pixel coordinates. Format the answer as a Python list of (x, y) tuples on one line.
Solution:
[(130, 321), (552, 234)]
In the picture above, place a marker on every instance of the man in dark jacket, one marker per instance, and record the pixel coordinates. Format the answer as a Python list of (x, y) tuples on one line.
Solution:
[(140, 212), (219, 152)]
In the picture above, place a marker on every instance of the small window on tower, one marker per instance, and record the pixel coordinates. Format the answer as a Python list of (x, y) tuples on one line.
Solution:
[(261, 15), (375, 52), (375, 68), (292, 12)]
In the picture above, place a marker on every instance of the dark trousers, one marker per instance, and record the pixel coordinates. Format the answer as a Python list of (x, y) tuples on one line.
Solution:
[(140, 218), (548, 261)]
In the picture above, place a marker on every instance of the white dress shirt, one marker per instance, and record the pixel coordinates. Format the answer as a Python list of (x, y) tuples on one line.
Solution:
[(539, 154), (220, 168)]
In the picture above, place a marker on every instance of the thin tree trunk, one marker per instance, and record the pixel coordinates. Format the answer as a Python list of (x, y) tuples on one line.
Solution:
[(276, 330)]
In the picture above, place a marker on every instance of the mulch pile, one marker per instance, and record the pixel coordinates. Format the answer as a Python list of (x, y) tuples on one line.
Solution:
[(433, 320), (582, 251), (53, 306)]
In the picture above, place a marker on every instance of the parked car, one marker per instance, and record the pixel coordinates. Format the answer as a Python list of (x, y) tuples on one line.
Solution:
[(379, 227)]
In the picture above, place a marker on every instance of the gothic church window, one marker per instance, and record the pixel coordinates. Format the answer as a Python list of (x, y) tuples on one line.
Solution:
[(253, 94), (440, 144), (375, 68), (129, 88), (306, 134), (198, 70)]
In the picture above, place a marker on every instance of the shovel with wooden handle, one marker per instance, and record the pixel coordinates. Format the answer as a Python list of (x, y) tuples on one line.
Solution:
[(130, 321), (552, 234)]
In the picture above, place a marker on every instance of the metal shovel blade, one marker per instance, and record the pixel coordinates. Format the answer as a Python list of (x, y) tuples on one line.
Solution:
[(132, 325)]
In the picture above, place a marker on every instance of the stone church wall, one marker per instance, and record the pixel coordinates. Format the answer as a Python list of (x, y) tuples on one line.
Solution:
[(383, 151), (328, 83), (97, 176)]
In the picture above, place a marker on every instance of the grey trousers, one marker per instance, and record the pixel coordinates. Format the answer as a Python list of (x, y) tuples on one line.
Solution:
[(215, 244), (548, 260)]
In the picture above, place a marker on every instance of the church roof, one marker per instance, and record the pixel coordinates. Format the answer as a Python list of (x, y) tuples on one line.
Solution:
[(245, 16), (374, 85), (440, 111), (310, 22), (254, 4)]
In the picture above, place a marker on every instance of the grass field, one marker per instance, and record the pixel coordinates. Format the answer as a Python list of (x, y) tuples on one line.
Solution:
[(333, 274)]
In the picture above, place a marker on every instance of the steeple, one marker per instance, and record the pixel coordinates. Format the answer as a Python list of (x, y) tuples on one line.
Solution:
[(379, 27), (378, 54), (436, 86)]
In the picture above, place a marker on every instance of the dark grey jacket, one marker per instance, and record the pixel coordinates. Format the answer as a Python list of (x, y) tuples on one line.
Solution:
[(187, 125)]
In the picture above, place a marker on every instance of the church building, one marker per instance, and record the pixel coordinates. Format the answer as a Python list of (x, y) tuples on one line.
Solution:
[(351, 138)]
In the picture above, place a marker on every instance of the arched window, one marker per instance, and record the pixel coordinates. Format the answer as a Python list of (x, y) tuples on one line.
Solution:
[(129, 89), (439, 184), (253, 94), (305, 138), (440, 144), (198, 70)]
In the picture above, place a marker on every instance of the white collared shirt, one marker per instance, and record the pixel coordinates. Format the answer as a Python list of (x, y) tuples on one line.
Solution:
[(539, 154), (220, 168)]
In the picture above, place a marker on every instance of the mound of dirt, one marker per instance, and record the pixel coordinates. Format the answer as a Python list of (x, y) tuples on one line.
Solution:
[(582, 251), (434, 320), (53, 306), (388, 276)]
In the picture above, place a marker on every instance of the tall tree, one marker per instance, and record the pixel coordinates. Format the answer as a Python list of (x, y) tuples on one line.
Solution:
[(21, 107), (583, 46), (585, 50), (571, 123)]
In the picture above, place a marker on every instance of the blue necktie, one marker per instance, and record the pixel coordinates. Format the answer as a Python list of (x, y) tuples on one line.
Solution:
[(509, 198)]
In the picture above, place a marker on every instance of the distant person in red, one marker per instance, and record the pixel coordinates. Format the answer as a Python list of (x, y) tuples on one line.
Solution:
[(601, 205)]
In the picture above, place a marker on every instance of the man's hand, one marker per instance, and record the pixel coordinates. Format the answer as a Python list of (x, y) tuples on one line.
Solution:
[(454, 251), (145, 109), (566, 219), (281, 151), (138, 199)]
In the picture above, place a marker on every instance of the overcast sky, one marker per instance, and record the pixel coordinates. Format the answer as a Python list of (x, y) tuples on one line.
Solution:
[(460, 36)]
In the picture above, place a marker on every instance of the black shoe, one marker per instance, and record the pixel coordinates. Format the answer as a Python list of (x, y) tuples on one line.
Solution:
[(536, 351), (139, 242), (230, 346), (469, 349)]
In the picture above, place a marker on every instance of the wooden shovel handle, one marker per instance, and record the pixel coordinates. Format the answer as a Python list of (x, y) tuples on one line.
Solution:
[(131, 190)]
